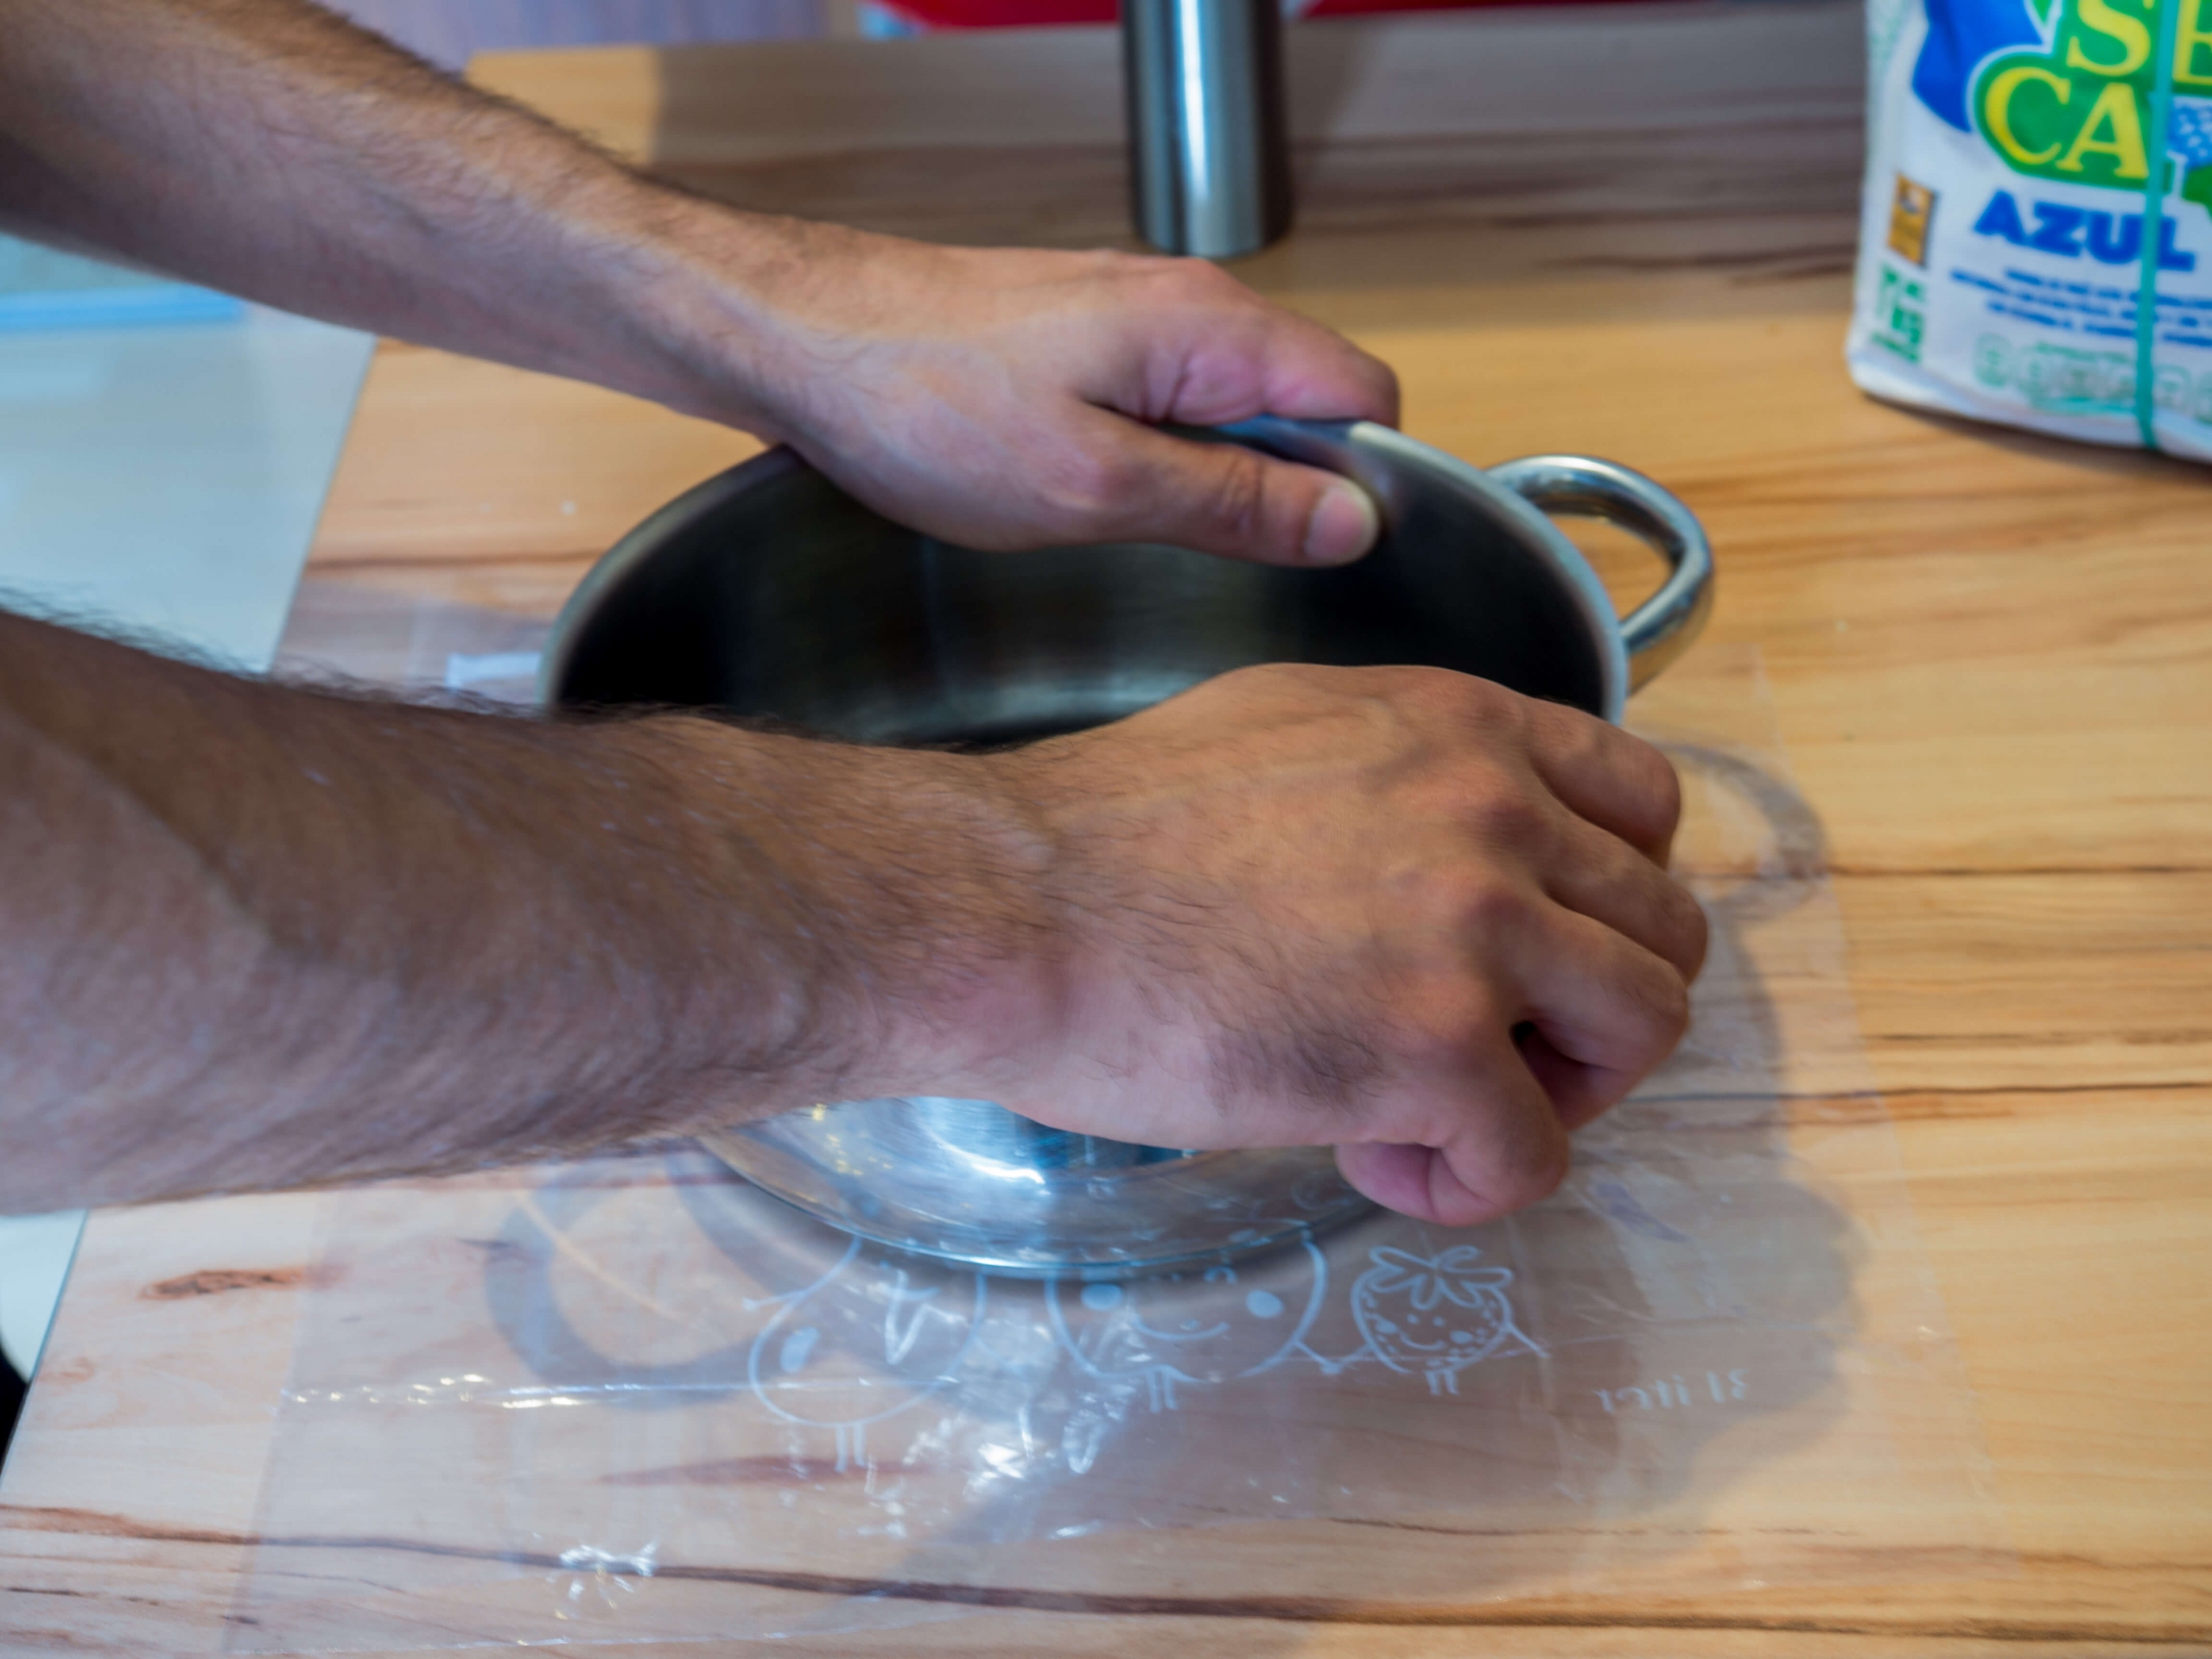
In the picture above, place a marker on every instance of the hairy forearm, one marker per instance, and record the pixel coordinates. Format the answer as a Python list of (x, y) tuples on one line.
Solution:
[(257, 936), (997, 398), (275, 150)]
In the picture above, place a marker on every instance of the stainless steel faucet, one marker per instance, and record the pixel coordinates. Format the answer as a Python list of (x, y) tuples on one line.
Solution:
[(1209, 143)]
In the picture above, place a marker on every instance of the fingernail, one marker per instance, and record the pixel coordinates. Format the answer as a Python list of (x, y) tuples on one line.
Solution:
[(1344, 527)]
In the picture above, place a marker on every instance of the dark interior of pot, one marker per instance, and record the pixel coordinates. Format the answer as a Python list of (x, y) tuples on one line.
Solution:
[(770, 593)]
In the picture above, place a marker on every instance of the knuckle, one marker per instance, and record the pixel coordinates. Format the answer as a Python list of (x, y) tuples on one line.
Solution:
[(1127, 268), (1082, 484), (1281, 686), (1238, 496), (1176, 282), (1455, 902), (1280, 676), (1382, 382), (1507, 815), (1664, 1002), (1469, 697), (1530, 1171), (1439, 1018), (1118, 262), (1201, 280), (1663, 790), (1543, 721), (1691, 930), (1491, 908), (1461, 705)]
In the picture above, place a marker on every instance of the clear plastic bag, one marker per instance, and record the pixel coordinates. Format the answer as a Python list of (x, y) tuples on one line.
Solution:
[(635, 1399)]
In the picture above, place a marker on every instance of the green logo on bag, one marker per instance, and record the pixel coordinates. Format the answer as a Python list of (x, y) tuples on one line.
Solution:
[(1900, 324), (2078, 111)]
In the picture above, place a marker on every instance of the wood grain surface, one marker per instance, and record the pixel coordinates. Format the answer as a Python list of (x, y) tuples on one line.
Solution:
[(1989, 657)]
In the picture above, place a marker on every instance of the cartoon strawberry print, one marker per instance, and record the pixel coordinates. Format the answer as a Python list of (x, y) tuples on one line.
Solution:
[(1434, 1317)]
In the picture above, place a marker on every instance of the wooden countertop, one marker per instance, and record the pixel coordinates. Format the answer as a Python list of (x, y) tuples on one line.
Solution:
[(1989, 657)]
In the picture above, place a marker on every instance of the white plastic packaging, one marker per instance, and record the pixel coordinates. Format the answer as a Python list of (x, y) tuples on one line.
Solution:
[(2022, 157)]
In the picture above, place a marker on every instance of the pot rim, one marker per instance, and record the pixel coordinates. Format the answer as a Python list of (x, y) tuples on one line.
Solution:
[(1336, 446), (1333, 444)]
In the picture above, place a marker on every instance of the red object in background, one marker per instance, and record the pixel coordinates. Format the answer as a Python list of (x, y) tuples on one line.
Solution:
[(1011, 14), (1004, 13)]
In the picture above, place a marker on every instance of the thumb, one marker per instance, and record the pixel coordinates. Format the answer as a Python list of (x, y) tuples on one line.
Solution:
[(1225, 498)]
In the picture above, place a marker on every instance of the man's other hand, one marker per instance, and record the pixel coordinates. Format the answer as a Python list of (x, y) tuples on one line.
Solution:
[(1008, 398), (1401, 911)]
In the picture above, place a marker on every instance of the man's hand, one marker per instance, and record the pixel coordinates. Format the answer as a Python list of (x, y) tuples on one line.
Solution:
[(998, 398), (1400, 911), (257, 936), (1006, 399)]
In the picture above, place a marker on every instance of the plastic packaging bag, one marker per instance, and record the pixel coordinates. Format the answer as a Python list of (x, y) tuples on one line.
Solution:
[(2035, 237), (634, 1399)]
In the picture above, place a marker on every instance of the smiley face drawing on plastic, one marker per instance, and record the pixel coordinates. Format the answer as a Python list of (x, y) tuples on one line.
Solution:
[(1435, 1318), (1191, 1328), (879, 1332)]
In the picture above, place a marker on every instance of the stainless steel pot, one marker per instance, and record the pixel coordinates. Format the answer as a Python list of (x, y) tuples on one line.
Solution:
[(768, 591)]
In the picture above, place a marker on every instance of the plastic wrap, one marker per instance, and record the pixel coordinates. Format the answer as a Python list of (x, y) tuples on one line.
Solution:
[(634, 1399)]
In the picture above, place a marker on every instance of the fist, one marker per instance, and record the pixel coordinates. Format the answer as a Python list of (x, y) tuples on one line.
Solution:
[(1399, 911)]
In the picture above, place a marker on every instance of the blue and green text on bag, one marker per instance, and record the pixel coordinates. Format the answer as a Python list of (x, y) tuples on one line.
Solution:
[(2036, 242)]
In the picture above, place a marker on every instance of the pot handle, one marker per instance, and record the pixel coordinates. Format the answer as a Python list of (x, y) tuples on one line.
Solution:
[(1662, 629)]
